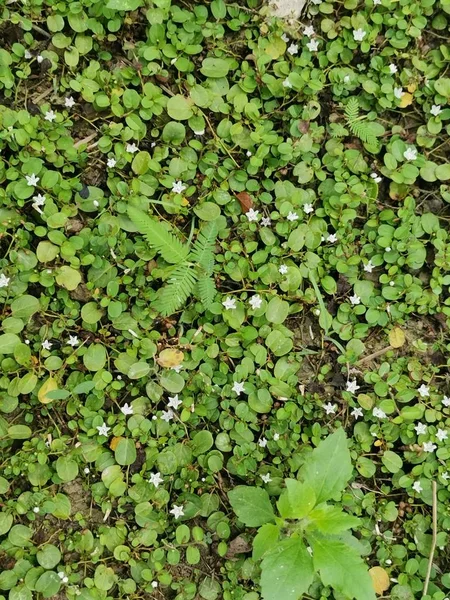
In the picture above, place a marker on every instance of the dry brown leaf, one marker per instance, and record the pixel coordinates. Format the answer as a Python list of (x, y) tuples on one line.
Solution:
[(380, 579), (406, 100), (48, 386), (396, 337), (114, 442), (170, 357), (245, 201)]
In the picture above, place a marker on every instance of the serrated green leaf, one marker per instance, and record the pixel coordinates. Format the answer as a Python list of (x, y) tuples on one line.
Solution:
[(265, 540), (331, 519), (252, 505)]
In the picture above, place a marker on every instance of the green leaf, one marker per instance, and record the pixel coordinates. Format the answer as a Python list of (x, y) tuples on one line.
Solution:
[(19, 432), (68, 278), (180, 108), (331, 519), (66, 468), (48, 584), (287, 571), (277, 310), (8, 342), (300, 497), (95, 357), (215, 67), (202, 442), (125, 452), (173, 296), (124, 4), (341, 567), (49, 556), (265, 540), (392, 461), (24, 306), (329, 467), (252, 505)]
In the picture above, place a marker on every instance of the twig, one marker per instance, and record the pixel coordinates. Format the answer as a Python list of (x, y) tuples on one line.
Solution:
[(433, 543), (41, 31), (85, 140), (374, 355)]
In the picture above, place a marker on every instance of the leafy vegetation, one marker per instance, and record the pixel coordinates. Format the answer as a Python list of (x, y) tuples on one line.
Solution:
[(224, 280)]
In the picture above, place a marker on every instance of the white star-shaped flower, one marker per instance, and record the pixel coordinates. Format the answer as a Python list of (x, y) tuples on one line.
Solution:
[(4, 281), (111, 162), (292, 216), (276, 437), (86, 470), (285, 37), (39, 199), (126, 409), (392, 68), (177, 368), (446, 401), (69, 102), (156, 479), (262, 443), (229, 303), (329, 408), (103, 429), (398, 92), (46, 345), (368, 267), (73, 341), (249, 153), (359, 35), (410, 153), (252, 215), (178, 187), (287, 83), (355, 300), (266, 478), (238, 387), (424, 391), (36, 509), (313, 45), (417, 487), (380, 414), (429, 447), (154, 584), (293, 49), (376, 178), (132, 148), (309, 31), (167, 415), (39, 58), (420, 428), (441, 435), (445, 476), (357, 412), (347, 79), (28, 55), (352, 386), (266, 222), (308, 208), (174, 402), (50, 116), (436, 110), (283, 269), (177, 511), (32, 180), (332, 238), (255, 301)]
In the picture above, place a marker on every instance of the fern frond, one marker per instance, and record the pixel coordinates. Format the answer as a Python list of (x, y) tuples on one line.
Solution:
[(159, 237), (337, 130), (202, 252), (352, 109), (206, 290), (177, 290), (361, 130)]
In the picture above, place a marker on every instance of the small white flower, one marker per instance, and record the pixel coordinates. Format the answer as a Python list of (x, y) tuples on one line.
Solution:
[(167, 415), (420, 428), (380, 414), (178, 187), (357, 412), (283, 269), (276, 437), (50, 116), (410, 153), (424, 391), (111, 162), (293, 49), (255, 301), (287, 83), (262, 443), (249, 153), (32, 180), (126, 409), (347, 79), (312, 45), (329, 408), (177, 368), (355, 300), (87, 470), (46, 345), (308, 208), (398, 92), (417, 487), (69, 102), (375, 2), (388, 248), (154, 584), (309, 31), (429, 447), (4, 281), (392, 68), (61, 574), (252, 215), (392, 283), (285, 37), (238, 387), (229, 303), (376, 178), (65, 580), (39, 58), (174, 402), (292, 216), (368, 267), (177, 511), (36, 509), (445, 476), (39, 199), (352, 386), (73, 341), (266, 478), (359, 35), (436, 110), (441, 435), (266, 222), (103, 429), (332, 238), (316, 312), (28, 55), (446, 401), (156, 479), (132, 148)]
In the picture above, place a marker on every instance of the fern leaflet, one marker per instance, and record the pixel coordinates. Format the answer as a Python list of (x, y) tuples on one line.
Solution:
[(178, 289), (202, 251), (352, 110), (206, 290)]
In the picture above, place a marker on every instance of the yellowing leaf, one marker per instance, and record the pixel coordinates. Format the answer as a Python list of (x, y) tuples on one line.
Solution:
[(48, 386), (380, 579), (412, 87), (114, 442), (170, 357), (396, 337), (406, 100)]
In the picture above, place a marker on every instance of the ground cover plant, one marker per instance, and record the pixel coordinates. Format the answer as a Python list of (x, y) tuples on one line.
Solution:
[(224, 282)]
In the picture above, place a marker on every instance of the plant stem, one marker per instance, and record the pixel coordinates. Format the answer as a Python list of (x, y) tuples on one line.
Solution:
[(433, 543)]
